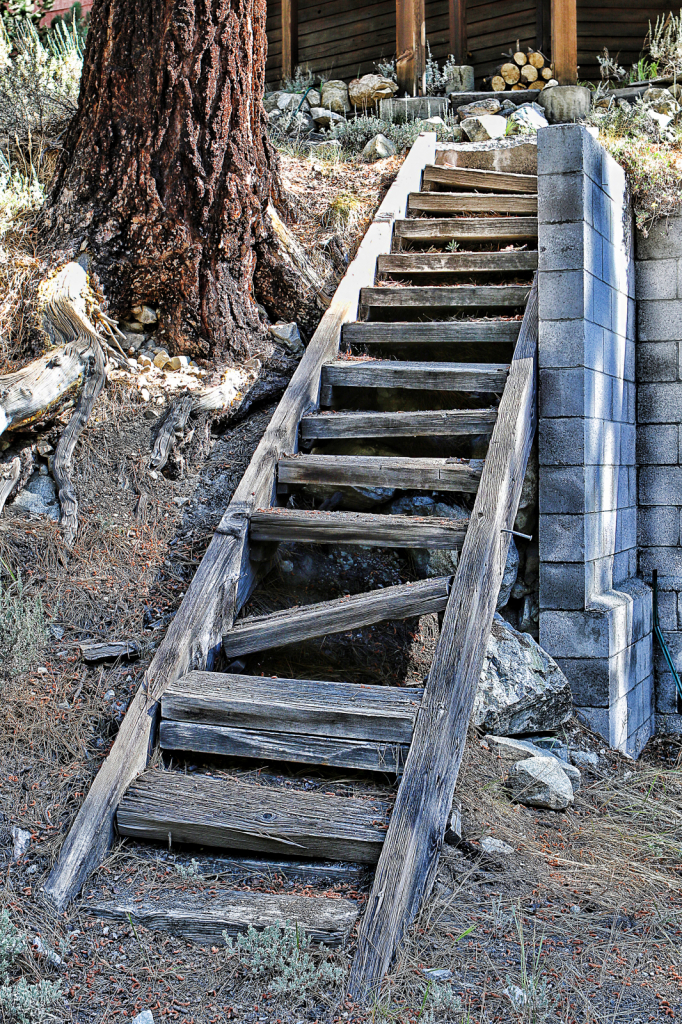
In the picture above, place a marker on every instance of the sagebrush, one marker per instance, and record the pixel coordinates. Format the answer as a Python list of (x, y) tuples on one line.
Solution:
[(22, 631), (19, 1000), (282, 959)]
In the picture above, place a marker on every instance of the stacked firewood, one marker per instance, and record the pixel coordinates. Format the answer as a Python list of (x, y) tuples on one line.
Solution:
[(530, 70)]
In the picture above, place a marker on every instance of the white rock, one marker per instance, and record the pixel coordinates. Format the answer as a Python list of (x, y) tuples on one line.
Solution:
[(133, 341), (314, 97), (335, 96), (479, 108), (528, 117), (491, 845), (131, 327), (661, 119), (378, 148), (484, 127), (285, 101), (39, 497), (160, 359), (144, 314), (583, 758), (326, 118), (661, 101), (289, 335), (540, 782), (518, 750), (522, 689), (144, 360), (144, 394), (366, 92), (21, 840), (146, 1017), (435, 120), (178, 363)]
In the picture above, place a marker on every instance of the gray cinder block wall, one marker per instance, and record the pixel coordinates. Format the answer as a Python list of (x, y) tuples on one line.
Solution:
[(595, 614), (659, 441)]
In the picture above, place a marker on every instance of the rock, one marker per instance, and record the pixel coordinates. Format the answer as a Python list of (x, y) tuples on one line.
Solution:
[(144, 394), (517, 154), (484, 127), (44, 449), (529, 115), (289, 336), (435, 120), (412, 108), (144, 360), (540, 782), (518, 750), (460, 78), (335, 96), (326, 118), (563, 103), (178, 363), (492, 846), (437, 973), (21, 840), (132, 342), (285, 101), (443, 561), (39, 497), (160, 359), (314, 97), (131, 327), (663, 120), (365, 92), (661, 101), (511, 571), (146, 1017), (521, 689), (550, 85), (479, 107), (378, 148), (526, 515), (144, 314), (583, 758)]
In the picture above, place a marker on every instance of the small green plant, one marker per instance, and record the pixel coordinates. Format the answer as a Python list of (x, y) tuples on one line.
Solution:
[(644, 70), (386, 68), (434, 77), (281, 958), (22, 630), (19, 1000), (302, 80), (664, 42), (192, 869), (453, 245)]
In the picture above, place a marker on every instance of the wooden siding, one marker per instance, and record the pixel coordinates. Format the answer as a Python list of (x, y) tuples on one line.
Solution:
[(620, 25)]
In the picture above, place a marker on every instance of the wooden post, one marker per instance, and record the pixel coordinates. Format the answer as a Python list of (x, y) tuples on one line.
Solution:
[(565, 41), (410, 23), (289, 38), (458, 30)]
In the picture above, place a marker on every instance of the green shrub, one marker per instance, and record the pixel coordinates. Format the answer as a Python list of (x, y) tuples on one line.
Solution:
[(20, 1001), (281, 958), (22, 632)]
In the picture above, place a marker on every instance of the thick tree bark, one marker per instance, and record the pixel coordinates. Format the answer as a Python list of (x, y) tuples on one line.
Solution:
[(166, 171)]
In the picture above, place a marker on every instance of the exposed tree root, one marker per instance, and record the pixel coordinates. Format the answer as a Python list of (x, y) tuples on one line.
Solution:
[(175, 421)]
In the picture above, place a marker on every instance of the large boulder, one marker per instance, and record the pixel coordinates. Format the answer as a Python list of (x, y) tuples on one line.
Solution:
[(484, 127), (511, 571), (661, 101), (366, 92), (335, 96), (326, 118), (479, 108), (521, 689), (540, 782), (378, 148)]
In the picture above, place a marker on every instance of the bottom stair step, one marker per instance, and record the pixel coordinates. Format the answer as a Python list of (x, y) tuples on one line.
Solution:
[(203, 919), (171, 807)]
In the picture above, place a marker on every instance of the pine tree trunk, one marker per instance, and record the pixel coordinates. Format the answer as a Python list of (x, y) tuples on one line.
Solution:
[(166, 171)]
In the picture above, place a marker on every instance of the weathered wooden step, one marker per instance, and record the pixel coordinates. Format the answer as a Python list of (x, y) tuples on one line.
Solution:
[(492, 181), (292, 625), (381, 531), (459, 475), (455, 332), (308, 707), (171, 807), (380, 373), (203, 918), (471, 202), (457, 262), (458, 296), (465, 229), (431, 423)]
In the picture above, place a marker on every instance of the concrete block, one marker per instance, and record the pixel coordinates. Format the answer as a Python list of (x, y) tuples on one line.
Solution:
[(598, 301), (598, 578), (562, 489), (589, 679), (679, 606), (561, 295), (621, 567), (598, 392), (658, 444), (644, 651), (657, 361), (666, 697), (637, 740), (601, 211), (561, 392), (599, 534), (628, 444), (659, 320), (669, 725), (561, 441), (561, 198), (570, 634), (560, 246), (660, 485), (613, 179), (656, 279), (561, 149), (629, 364), (614, 353), (561, 344), (596, 719), (565, 103), (667, 609), (626, 528), (659, 403), (667, 560), (602, 488), (663, 241), (562, 585), (561, 538), (658, 527)]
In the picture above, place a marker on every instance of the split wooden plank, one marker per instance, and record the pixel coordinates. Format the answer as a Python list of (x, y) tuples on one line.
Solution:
[(409, 859), (434, 423), (457, 332), (459, 475), (97, 651), (171, 807), (292, 625), (471, 202), (490, 181), (457, 262), (458, 296), (225, 577), (466, 229), (379, 373), (379, 531), (310, 707), (204, 919), (231, 741)]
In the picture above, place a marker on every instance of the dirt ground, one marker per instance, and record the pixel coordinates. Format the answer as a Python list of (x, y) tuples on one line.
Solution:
[(580, 923)]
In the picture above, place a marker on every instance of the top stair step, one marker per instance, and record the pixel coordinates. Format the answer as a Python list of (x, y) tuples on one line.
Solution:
[(471, 202), (493, 181)]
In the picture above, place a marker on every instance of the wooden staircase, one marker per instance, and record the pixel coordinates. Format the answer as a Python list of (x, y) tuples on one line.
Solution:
[(401, 320)]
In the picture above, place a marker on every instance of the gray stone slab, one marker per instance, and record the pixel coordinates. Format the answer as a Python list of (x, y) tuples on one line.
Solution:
[(513, 155)]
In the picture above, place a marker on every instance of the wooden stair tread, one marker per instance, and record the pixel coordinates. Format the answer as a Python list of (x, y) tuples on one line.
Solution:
[(293, 625), (456, 262), (480, 229), (380, 373), (283, 524), (465, 177), (426, 423), (458, 475), (171, 807), (455, 332), (445, 296), (470, 202)]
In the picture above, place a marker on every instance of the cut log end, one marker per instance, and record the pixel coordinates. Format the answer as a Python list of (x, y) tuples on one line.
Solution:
[(498, 83)]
